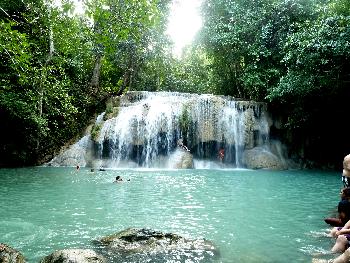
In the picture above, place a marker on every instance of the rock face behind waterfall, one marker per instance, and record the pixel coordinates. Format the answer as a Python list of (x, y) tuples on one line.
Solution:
[(142, 129), (258, 158)]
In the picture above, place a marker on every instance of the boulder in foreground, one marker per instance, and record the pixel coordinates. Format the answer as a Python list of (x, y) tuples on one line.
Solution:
[(10, 255), (74, 256)]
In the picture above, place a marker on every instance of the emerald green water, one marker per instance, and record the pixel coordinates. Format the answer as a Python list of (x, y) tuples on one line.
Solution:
[(251, 216)]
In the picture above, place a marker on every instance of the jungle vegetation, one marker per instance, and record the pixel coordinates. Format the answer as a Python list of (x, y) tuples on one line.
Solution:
[(59, 68)]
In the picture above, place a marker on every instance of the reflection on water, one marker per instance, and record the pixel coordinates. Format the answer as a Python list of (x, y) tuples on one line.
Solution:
[(251, 216)]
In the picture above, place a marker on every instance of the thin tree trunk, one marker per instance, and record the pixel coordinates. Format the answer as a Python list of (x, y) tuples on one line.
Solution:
[(95, 79), (44, 72), (127, 77), (43, 78)]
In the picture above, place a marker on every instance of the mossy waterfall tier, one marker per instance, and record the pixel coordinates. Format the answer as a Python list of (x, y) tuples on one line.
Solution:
[(143, 129)]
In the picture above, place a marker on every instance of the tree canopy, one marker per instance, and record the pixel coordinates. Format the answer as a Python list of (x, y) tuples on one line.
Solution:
[(58, 67)]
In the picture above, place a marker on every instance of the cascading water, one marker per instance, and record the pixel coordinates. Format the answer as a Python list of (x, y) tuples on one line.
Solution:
[(142, 131), (232, 125), (148, 127)]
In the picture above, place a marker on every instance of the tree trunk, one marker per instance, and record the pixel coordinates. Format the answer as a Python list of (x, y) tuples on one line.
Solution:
[(44, 72), (128, 77), (95, 79), (43, 78)]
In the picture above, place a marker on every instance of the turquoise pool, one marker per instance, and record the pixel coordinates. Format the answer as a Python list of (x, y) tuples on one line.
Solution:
[(251, 216)]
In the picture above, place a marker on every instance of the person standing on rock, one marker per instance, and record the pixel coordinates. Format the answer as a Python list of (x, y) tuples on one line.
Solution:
[(181, 145)]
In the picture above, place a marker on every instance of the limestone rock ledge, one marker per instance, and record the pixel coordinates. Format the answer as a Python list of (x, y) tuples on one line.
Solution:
[(182, 160), (259, 158)]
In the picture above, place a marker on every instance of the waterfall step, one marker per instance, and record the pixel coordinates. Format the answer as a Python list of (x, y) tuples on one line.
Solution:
[(147, 126)]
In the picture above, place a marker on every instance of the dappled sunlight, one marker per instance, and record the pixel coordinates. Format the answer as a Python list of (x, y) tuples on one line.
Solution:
[(184, 23)]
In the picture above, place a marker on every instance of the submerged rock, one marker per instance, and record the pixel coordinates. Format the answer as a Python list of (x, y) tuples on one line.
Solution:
[(74, 256), (10, 255), (135, 240), (129, 246)]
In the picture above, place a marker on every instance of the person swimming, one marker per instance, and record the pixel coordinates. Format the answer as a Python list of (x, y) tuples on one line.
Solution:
[(118, 179)]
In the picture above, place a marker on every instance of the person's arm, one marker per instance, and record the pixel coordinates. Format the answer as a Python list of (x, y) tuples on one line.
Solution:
[(343, 231), (347, 225)]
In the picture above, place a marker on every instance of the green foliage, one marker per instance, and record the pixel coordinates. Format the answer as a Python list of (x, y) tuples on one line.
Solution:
[(317, 58), (15, 55), (339, 7), (124, 31), (292, 54), (95, 131), (49, 54), (112, 108), (41, 81), (109, 108), (244, 41), (185, 121)]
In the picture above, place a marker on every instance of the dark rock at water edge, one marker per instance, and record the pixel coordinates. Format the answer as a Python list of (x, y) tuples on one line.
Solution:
[(129, 246), (10, 255)]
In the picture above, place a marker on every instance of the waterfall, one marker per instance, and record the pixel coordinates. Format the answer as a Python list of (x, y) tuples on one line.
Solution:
[(148, 126)]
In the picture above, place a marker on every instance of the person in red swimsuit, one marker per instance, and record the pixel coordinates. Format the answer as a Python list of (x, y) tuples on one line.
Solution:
[(221, 154)]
